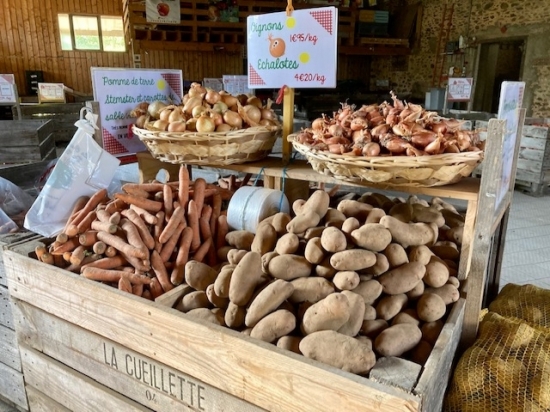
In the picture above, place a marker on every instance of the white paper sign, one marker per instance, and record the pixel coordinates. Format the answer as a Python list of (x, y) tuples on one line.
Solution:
[(51, 93), (511, 99), (163, 11), (118, 91), (7, 89), (296, 51), (460, 89)]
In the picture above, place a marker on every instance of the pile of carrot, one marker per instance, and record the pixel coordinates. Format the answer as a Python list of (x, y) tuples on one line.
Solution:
[(141, 239)]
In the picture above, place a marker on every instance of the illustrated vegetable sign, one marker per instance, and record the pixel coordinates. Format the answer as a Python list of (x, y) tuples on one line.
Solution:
[(297, 51)]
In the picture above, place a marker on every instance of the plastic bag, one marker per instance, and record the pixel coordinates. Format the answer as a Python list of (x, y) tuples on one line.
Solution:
[(14, 203), (83, 168)]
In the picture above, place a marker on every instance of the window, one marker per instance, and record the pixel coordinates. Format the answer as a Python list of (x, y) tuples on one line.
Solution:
[(101, 33)]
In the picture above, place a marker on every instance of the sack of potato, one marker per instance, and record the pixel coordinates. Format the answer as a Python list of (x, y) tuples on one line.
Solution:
[(343, 285)]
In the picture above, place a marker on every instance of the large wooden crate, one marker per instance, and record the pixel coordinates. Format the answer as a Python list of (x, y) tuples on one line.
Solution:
[(153, 357), (26, 141), (63, 116)]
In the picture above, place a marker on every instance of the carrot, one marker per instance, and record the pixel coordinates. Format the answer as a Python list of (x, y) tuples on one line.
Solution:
[(66, 256), (110, 251), (137, 289), (114, 206), (47, 258), (104, 227), (221, 232), (206, 212), (76, 268), (149, 205), (147, 294), (168, 247), (133, 236), (97, 198), (160, 271), (124, 284), (78, 205), (99, 247), (168, 199), (68, 246), (61, 238), (146, 187), (78, 255), (193, 216), (103, 215), (115, 218), (139, 265), (143, 230), (183, 186), (86, 223), (155, 289), (121, 245), (40, 251), (106, 263), (182, 257), (157, 230), (58, 261), (173, 223), (204, 226), (88, 238), (159, 197), (198, 195), (202, 250), (216, 205), (144, 214), (105, 275), (71, 230)]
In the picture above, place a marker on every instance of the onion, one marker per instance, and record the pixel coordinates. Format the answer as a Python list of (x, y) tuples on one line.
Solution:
[(268, 114), (371, 149), (197, 90), (191, 125), (205, 124), (155, 108), (139, 110), (233, 119), (217, 118), (224, 127), (176, 116), (191, 103), (358, 124), (267, 123), (318, 124), (336, 130), (165, 113), (178, 126), (212, 96), (185, 98), (242, 98), (254, 101), (197, 111), (229, 100), (160, 124), (220, 107), (141, 120), (254, 114)]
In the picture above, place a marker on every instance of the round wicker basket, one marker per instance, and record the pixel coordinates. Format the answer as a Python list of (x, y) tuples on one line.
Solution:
[(235, 147), (422, 171)]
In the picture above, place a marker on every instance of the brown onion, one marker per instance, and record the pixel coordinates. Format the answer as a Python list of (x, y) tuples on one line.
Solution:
[(165, 113), (155, 108), (160, 124), (197, 111), (229, 100), (178, 126), (205, 124), (233, 119), (336, 130), (358, 124), (268, 114), (217, 118), (224, 127), (253, 113), (254, 101), (176, 115), (371, 149), (212, 96), (192, 103), (267, 123), (242, 98), (197, 90), (141, 120), (191, 124), (220, 107), (318, 124), (185, 98)]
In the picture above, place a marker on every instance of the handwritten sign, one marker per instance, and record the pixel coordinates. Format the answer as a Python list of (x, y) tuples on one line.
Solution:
[(460, 89), (297, 51), (511, 99), (118, 91), (51, 93), (7, 89), (163, 11)]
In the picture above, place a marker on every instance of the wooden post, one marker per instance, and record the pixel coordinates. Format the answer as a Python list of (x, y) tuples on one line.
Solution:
[(288, 122)]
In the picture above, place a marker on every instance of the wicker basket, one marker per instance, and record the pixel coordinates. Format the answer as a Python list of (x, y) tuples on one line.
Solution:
[(423, 171), (236, 147)]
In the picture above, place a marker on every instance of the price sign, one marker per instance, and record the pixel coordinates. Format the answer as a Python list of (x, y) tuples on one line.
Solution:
[(298, 51), (51, 93), (460, 89), (7, 89)]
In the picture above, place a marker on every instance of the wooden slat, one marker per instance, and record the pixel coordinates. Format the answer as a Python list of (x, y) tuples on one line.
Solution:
[(39, 402), (70, 388), (13, 386), (6, 314), (9, 350), (255, 371), (19, 154)]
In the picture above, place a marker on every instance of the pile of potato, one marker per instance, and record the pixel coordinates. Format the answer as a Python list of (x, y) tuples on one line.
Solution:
[(344, 285)]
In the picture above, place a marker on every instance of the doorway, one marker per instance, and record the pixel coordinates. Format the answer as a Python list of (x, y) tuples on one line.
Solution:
[(498, 62)]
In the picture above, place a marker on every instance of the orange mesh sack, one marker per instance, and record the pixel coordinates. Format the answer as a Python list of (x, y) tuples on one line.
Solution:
[(506, 370), (527, 302)]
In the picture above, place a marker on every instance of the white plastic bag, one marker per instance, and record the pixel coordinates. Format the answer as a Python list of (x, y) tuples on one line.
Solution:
[(83, 168), (14, 203)]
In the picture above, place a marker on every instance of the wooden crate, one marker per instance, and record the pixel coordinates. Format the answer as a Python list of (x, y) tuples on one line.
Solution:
[(63, 115), (26, 141), (155, 357), (533, 171)]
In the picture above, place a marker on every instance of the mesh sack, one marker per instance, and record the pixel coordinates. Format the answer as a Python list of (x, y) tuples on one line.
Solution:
[(506, 370), (527, 302)]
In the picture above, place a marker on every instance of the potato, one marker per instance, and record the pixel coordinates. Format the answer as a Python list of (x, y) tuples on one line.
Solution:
[(220, 315), (365, 340), (421, 254), (437, 273), (245, 278), (279, 222), (274, 325), (338, 350), (353, 259), (415, 200), (205, 315), (430, 307), (310, 289), (214, 299), (333, 240), (265, 239), (199, 275), (346, 280), (222, 253), (410, 234), (194, 300), (421, 352), (375, 215), (324, 269), (370, 312), (350, 224), (314, 252), (422, 214), (369, 290), (453, 280), (240, 239), (297, 206), (373, 328), (397, 339), (234, 316), (402, 212), (389, 306), (312, 232), (318, 203), (357, 313), (381, 266), (431, 331), (287, 244), (396, 255), (235, 255), (372, 236), (455, 234), (221, 285), (452, 219), (406, 316), (417, 291), (509, 373), (334, 218), (265, 261), (303, 221), (291, 343), (403, 278), (268, 300), (445, 250), (449, 293), (353, 208), (288, 267), (364, 277), (330, 313)]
